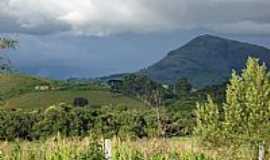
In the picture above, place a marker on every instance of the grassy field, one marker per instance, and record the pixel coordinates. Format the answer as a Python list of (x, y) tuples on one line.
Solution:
[(45, 99)]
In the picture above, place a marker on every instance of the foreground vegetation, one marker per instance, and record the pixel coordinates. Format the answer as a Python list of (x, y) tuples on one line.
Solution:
[(57, 148), (244, 118)]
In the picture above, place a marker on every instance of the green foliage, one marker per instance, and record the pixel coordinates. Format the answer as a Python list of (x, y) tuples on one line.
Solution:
[(145, 89), (247, 109), (16, 152), (217, 92), (207, 119), (107, 121), (194, 156), (2, 157), (138, 84), (244, 117), (183, 87), (94, 151), (130, 154), (16, 124), (125, 152), (90, 148)]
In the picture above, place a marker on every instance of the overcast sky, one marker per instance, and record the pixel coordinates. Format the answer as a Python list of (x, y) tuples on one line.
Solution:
[(62, 38)]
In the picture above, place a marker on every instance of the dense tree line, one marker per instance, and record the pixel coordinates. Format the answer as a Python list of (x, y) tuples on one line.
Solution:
[(142, 87), (81, 121)]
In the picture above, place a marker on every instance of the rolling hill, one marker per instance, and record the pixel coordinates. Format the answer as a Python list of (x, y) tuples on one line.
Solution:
[(16, 84), (205, 60), (42, 100), (18, 91)]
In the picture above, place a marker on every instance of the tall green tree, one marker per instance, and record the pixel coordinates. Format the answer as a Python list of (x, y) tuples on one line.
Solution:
[(245, 115), (207, 119), (247, 107)]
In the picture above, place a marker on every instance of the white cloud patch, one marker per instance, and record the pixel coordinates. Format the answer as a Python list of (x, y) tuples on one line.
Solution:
[(102, 17)]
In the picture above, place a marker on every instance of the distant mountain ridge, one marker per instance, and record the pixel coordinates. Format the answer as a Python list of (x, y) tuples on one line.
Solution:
[(205, 60)]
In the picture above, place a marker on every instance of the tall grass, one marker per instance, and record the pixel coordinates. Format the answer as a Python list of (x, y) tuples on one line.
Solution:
[(58, 148), (52, 149), (157, 149)]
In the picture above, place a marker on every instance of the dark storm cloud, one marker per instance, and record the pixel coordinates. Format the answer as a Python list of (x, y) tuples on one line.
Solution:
[(101, 17), (89, 38)]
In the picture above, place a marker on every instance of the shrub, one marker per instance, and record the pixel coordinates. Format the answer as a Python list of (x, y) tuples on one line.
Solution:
[(80, 102), (2, 157)]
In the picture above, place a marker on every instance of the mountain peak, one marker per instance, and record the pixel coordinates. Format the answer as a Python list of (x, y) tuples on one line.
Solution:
[(206, 60), (203, 42), (211, 36), (207, 38)]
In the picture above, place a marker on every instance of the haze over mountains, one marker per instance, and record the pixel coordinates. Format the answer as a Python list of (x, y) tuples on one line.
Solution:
[(205, 60)]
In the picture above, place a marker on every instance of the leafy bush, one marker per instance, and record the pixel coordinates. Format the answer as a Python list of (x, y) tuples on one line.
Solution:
[(80, 102), (2, 157)]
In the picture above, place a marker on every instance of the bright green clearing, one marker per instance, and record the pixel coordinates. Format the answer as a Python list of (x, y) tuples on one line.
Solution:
[(38, 100)]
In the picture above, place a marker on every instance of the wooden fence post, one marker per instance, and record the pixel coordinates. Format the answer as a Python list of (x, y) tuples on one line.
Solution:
[(261, 151), (108, 149)]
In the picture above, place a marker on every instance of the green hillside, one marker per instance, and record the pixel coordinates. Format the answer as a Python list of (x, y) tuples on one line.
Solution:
[(18, 91), (15, 84), (37, 100)]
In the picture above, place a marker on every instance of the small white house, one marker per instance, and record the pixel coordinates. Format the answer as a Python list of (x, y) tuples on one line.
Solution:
[(165, 86), (42, 88)]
